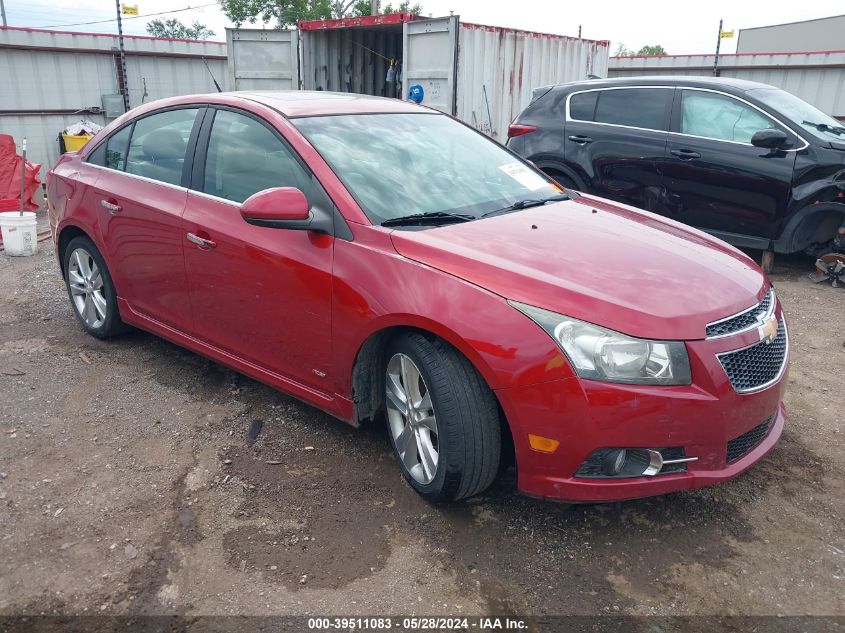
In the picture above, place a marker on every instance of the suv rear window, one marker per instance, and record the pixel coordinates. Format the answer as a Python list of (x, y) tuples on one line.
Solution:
[(632, 107)]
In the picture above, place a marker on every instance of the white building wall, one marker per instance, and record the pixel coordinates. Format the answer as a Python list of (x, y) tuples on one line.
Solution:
[(824, 34)]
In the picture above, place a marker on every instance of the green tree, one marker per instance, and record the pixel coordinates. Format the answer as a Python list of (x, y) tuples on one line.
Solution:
[(655, 49), (283, 12), (403, 7), (175, 29)]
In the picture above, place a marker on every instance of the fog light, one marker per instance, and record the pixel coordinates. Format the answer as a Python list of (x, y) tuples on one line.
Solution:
[(542, 444), (607, 463), (614, 461)]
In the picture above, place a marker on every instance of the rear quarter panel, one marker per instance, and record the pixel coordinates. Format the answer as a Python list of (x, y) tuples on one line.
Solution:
[(545, 146), (69, 185)]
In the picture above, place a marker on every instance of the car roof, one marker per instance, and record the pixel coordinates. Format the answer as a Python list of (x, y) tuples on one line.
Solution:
[(297, 103), (728, 84)]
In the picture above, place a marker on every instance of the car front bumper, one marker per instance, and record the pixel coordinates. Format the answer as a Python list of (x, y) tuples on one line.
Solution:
[(584, 416)]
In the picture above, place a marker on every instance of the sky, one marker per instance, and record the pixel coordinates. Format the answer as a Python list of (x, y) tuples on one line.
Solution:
[(680, 27)]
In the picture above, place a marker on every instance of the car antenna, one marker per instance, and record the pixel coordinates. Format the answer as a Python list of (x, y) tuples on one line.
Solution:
[(216, 85)]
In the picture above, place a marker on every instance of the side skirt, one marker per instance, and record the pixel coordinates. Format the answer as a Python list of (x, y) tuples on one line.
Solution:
[(333, 404)]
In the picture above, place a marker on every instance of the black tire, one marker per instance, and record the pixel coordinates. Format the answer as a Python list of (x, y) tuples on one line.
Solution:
[(111, 325), (562, 179), (467, 415)]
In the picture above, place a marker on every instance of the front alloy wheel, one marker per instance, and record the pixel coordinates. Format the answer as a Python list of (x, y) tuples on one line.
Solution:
[(442, 417), (410, 415)]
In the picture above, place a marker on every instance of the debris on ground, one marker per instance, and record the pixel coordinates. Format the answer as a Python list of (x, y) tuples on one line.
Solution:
[(253, 431), (830, 267)]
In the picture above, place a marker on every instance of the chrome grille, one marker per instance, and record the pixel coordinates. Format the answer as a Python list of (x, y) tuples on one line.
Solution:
[(757, 366), (745, 320)]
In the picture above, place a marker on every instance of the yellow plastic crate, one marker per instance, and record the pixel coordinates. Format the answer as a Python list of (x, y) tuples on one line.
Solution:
[(75, 143)]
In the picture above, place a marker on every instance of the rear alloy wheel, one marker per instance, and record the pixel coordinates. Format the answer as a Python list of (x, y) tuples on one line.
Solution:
[(442, 418), (90, 289)]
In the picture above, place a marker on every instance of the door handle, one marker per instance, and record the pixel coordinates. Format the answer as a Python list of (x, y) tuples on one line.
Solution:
[(201, 241), (111, 207), (581, 140), (685, 154)]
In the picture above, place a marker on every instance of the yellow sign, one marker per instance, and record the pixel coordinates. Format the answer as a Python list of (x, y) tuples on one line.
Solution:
[(127, 9), (726, 34)]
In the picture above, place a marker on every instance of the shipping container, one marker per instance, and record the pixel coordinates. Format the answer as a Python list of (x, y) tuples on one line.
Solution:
[(483, 74)]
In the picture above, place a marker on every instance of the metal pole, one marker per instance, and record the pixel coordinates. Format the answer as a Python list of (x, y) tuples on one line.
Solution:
[(373, 7), (716, 58), (3, 12), (579, 31), (23, 172), (125, 89)]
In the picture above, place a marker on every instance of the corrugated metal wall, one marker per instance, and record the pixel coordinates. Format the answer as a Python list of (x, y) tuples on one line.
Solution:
[(498, 69), (818, 78), (49, 75), (262, 59)]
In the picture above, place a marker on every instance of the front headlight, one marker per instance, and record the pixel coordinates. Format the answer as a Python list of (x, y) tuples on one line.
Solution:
[(601, 354)]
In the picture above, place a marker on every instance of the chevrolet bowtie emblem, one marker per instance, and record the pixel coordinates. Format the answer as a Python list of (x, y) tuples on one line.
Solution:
[(769, 330)]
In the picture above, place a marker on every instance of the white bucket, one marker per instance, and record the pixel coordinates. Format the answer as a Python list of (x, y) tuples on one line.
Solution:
[(19, 232)]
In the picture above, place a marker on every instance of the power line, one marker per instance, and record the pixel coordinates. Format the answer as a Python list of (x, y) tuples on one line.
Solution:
[(132, 17)]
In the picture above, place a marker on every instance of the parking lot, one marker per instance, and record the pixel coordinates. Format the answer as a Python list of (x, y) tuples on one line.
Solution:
[(130, 486)]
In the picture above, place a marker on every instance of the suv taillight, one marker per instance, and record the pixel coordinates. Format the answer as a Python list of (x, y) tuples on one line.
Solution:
[(515, 129)]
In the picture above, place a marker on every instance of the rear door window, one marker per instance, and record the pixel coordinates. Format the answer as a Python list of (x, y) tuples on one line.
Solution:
[(245, 157), (582, 105), (646, 108), (720, 117), (159, 143)]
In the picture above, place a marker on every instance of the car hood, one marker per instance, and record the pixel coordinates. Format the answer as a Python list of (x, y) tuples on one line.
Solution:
[(597, 261)]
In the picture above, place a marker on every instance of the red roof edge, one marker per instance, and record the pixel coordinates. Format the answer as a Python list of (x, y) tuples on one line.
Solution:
[(86, 33), (363, 21)]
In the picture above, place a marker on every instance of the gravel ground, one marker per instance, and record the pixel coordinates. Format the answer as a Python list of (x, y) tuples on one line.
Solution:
[(129, 485)]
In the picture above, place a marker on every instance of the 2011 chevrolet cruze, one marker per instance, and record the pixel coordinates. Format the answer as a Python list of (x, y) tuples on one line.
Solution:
[(379, 259)]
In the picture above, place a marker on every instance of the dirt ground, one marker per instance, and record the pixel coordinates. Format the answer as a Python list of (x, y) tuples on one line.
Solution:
[(128, 485)]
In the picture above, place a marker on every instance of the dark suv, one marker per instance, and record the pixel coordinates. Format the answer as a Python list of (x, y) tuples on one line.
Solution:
[(747, 162)]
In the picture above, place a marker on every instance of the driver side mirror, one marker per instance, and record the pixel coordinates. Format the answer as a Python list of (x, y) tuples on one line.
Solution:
[(278, 207), (770, 139)]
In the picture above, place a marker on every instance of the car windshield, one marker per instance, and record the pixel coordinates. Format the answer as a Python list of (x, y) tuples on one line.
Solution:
[(396, 165), (799, 112)]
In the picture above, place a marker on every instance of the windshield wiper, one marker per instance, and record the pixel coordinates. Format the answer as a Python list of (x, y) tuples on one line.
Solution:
[(824, 127), (422, 219), (530, 202)]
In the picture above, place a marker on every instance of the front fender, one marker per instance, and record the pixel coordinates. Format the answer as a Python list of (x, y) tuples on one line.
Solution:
[(376, 289)]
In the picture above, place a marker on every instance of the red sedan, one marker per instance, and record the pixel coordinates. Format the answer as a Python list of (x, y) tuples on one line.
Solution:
[(378, 259)]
